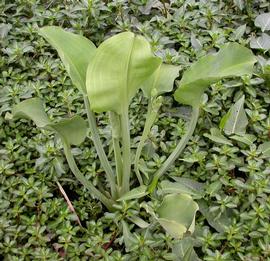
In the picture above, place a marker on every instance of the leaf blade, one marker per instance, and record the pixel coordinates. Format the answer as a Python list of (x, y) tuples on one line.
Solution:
[(75, 51), (120, 65), (32, 109), (231, 60), (161, 80)]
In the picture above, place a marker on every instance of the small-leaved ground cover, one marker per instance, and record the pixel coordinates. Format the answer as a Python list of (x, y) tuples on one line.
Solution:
[(229, 151)]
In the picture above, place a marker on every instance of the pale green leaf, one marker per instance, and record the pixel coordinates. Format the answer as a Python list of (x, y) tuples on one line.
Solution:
[(183, 185), (217, 137), (231, 60), (175, 229), (75, 51), (135, 193), (73, 130), (161, 80), (121, 64), (263, 21), (32, 109), (177, 214), (237, 120)]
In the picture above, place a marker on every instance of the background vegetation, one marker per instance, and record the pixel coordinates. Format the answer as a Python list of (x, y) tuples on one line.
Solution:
[(35, 221)]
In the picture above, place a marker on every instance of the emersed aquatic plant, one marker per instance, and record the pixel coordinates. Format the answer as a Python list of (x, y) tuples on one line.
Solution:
[(108, 77)]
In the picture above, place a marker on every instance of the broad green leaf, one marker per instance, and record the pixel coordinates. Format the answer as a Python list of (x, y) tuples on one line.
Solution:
[(121, 64), (32, 109), (262, 42), (183, 185), (73, 130), (265, 149), (177, 214), (236, 118), (231, 60), (75, 51), (161, 80), (135, 193), (217, 137), (263, 21)]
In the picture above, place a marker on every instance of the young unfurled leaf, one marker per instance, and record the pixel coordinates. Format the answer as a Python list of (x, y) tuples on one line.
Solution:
[(231, 60), (135, 193), (217, 137), (73, 130), (74, 50), (177, 214), (183, 185), (263, 21), (161, 80), (236, 119), (121, 64)]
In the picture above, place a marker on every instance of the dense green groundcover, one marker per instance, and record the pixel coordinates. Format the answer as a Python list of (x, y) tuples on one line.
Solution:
[(35, 221)]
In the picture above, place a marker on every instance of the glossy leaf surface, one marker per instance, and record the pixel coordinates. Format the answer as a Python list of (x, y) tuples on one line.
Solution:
[(75, 51), (231, 60), (177, 214), (121, 64)]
